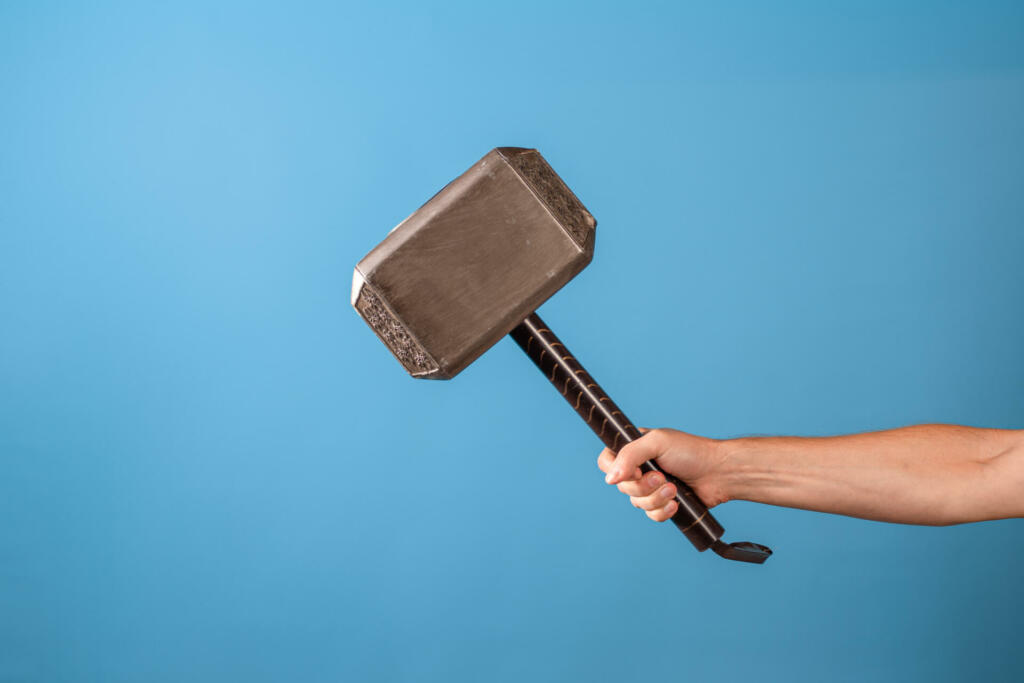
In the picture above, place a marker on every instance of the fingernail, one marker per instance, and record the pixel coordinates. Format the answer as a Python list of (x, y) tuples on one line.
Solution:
[(611, 476), (666, 492), (655, 480)]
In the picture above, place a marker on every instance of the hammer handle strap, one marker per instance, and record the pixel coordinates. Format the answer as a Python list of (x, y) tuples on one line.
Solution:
[(608, 422)]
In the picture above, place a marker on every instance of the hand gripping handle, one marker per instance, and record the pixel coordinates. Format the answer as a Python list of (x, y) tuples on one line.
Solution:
[(613, 428)]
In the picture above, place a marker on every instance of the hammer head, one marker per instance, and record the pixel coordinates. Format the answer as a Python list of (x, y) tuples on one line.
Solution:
[(464, 269)]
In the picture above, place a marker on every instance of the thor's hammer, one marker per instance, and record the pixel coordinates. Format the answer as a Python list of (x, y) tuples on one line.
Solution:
[(471, 265)]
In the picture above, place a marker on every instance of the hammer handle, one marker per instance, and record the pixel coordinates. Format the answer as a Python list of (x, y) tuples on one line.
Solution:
[(607, 421)]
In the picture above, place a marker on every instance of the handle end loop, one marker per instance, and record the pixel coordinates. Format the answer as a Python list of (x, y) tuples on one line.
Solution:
[(742, 551)]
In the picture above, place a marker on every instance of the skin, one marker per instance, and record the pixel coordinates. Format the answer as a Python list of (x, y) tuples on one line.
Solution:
[(926, 474)]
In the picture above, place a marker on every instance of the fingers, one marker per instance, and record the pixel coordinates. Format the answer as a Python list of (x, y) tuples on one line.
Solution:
[(658, 499), (649, 492), (632, 455), (644, 486), (665, 513), (606, 460)]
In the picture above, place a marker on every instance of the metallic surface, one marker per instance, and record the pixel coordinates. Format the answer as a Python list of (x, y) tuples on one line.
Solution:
[(614, 429), (471, 263)]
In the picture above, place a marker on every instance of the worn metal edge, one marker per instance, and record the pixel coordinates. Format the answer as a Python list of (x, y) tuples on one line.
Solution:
[(581, 235), (390, 329)]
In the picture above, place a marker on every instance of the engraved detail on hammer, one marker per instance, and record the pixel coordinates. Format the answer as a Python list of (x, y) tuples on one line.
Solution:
[(564, 205), (393, 333)]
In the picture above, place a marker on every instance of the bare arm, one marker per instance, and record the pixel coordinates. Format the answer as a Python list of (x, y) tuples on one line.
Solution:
[(926, 474)]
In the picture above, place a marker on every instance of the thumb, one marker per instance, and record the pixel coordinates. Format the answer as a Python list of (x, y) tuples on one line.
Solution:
[(633, 454)]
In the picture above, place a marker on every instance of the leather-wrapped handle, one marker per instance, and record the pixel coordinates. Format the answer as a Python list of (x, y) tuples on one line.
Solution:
[(615, 430)]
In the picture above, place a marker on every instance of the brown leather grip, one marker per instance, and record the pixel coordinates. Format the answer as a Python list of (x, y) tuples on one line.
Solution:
[(604, 417)]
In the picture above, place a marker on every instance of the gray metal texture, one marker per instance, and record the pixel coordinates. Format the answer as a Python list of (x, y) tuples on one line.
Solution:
[(470, 264)]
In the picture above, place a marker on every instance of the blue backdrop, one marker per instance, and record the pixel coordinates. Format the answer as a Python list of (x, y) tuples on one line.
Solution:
[(811, 221)]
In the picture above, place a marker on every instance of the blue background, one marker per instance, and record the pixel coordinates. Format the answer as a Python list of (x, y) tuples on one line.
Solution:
[(811, 221)]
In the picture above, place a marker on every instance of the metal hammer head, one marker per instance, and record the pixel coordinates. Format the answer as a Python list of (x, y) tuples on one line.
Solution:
[(464, 269)]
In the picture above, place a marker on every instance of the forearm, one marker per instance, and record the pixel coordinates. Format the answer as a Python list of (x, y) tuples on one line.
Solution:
[(926, 474)]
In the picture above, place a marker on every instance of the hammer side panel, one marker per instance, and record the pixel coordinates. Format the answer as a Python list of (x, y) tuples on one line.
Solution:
[(473, 262)]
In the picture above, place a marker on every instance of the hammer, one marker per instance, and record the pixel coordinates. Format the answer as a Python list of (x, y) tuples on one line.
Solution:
[(471, 265)]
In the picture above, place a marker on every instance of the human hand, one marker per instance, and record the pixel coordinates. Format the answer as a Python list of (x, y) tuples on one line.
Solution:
[(689, 458)]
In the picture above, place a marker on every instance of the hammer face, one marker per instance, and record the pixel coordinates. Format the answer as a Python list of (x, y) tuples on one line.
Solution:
[(459, 273)]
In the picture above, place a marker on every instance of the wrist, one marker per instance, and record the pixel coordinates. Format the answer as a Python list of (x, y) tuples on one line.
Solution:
[(735, 473)]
